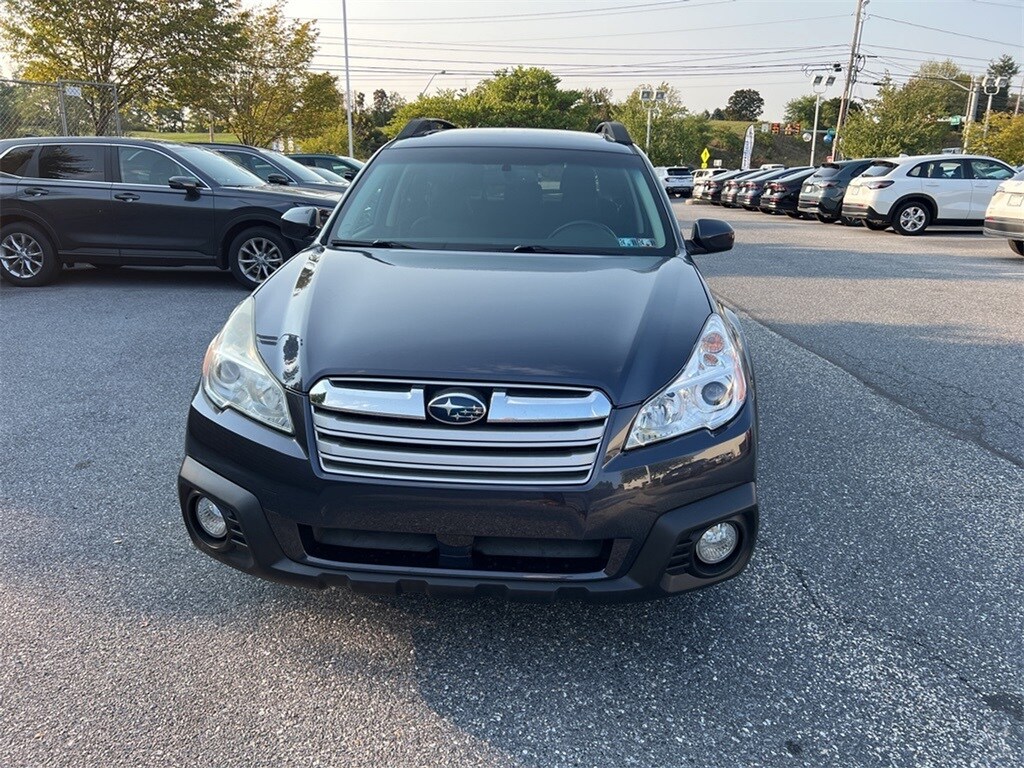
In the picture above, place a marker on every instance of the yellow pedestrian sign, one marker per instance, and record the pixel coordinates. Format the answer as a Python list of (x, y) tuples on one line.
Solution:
[(704, 156)]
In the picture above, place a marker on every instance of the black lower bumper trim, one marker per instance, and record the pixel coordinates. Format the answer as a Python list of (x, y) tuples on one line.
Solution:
[(647, 577)]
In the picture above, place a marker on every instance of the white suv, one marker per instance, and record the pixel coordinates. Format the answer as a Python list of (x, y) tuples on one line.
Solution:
[(910, 193), (1005, 214)]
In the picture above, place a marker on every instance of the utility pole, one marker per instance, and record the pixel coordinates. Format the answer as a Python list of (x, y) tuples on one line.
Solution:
[(348, 83), (851, 74)]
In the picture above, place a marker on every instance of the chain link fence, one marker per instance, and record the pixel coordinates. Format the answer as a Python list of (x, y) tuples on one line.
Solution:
[(64, 108)]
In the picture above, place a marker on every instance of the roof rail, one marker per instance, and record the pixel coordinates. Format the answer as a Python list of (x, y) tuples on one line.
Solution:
[(614, 131), (422, 126)]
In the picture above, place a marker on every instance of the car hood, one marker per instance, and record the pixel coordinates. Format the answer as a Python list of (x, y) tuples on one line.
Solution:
[(624, 325), (279, 192)]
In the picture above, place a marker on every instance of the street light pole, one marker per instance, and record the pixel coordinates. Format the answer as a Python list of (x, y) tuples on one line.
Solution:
[(992, 86), (819, 85), (348, 82), (652, 99), (427, 87)]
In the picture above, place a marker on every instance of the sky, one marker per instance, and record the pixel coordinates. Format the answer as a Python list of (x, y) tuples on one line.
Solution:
[(704, 48)]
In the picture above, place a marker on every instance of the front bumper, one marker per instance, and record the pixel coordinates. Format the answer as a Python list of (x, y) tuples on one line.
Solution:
[(646, 507)]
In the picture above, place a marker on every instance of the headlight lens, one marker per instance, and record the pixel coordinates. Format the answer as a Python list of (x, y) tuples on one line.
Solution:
[(708, 393), (234, 376)]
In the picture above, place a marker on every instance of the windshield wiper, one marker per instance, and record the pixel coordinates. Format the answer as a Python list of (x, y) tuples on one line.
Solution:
[(369, 244), (537, 249)]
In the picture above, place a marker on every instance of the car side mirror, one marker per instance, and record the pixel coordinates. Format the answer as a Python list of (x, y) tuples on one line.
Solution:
[(710, 236), (189, 184), (278, 178), (300, 223), (348, 174)]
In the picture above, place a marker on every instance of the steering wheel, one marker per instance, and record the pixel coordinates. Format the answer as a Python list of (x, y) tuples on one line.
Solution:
[(604, 234)]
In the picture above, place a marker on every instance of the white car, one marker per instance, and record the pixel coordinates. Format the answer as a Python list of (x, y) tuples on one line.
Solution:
[(911, 193), (1005, 214), (678, 181), (701, 177)]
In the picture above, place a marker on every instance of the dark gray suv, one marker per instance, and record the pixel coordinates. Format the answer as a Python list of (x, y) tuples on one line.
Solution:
[(112, 201), (497, 371)]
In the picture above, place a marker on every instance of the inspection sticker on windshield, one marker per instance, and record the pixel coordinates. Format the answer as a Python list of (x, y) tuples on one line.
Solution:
[(637, 242)]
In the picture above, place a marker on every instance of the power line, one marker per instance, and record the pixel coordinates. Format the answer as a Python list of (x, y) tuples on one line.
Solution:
[(947, 31), (665, 5)]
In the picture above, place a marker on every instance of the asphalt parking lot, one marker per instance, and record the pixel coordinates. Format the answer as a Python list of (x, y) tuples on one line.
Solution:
[(878, 625)]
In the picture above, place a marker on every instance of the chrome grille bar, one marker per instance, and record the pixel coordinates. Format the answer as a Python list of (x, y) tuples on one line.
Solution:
[(531, 435)]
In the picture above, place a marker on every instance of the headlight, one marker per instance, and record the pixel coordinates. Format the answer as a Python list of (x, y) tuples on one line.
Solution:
[(234, 376), (710, 390)]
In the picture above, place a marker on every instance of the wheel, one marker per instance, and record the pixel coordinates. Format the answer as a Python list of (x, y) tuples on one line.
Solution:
[(911, 218), (849, 222), (257, 253), (825, 219), (27, 257), (1017, 246), (794, 215)]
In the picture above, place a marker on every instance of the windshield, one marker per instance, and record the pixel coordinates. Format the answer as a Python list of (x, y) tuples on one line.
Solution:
[(503, 198), (827, 171), (296, 169), (331, 176), (225, 172)]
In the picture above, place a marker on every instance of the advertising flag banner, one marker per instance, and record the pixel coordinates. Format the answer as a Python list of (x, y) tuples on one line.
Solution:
[(748, 149)]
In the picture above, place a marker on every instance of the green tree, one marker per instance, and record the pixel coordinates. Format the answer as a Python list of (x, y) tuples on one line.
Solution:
[(152, 49), (901, 119), (676, 136), (318, 105), (259, 97), (801, 110), (1004, 66), (1005, 138), (524, 97), (745, 104)]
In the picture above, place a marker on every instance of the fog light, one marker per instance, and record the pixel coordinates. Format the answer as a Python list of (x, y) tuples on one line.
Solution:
[(717, 543), (211, 519)]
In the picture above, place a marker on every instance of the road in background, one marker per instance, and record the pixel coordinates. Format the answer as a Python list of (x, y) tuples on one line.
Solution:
[(935, 322), (878, 624)]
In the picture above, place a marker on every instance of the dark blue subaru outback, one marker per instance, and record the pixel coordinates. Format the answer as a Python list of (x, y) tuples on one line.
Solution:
[(496, 371)]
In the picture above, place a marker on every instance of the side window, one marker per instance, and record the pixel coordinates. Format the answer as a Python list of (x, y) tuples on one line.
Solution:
[(144, 166), (919, 171), (15, 162), (987, 169), (947, 169), (81, 162), (253, 163)]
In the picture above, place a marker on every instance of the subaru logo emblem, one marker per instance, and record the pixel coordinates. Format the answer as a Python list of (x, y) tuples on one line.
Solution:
[(456, 408)]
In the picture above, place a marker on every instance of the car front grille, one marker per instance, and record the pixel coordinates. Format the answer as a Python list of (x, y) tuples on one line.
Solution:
[(381, 429)]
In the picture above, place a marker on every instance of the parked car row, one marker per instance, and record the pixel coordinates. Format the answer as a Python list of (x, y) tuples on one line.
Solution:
[(907, 194), (114, 201)]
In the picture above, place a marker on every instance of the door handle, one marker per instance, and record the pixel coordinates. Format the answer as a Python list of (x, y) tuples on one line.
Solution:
[(933, 184), (36, 191), (126, 196)]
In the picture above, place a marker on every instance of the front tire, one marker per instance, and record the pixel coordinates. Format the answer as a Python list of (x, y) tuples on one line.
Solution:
[(27, 257), (875, 226), (1017, 246), (911, 218), (257, 253), (824, 219)]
